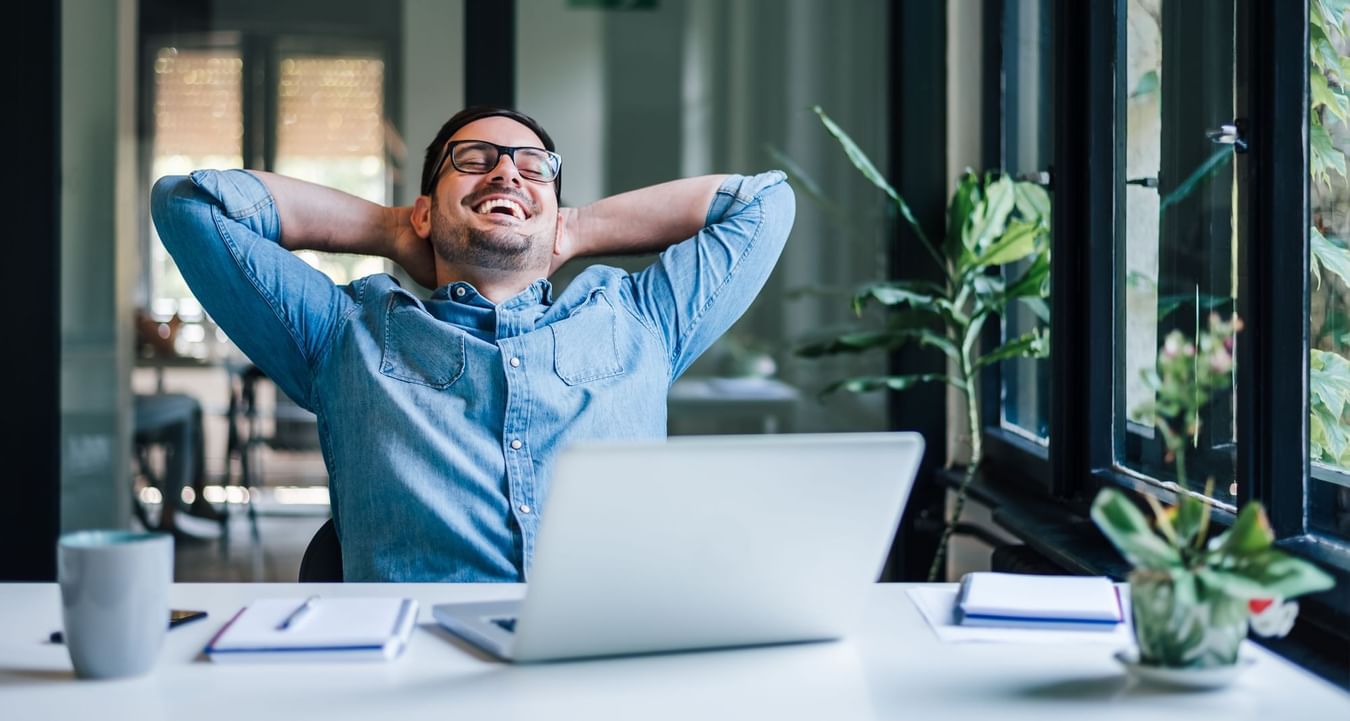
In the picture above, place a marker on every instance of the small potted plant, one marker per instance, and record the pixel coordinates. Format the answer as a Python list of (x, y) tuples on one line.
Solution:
[(1194, 597)]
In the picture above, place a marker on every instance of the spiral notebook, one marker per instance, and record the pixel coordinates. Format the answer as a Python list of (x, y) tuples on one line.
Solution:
[(332, 629)]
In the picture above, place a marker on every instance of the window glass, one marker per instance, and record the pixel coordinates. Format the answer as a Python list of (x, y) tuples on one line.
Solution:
[(198, 122), (1329, 289), (330, 131), (1028, 131), (1181, 203)]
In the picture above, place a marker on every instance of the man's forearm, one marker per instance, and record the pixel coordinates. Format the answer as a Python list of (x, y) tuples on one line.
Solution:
[(314, 217), (647, 220)]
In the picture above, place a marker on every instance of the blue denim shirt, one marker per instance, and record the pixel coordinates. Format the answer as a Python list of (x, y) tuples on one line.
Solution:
[(439, 419)]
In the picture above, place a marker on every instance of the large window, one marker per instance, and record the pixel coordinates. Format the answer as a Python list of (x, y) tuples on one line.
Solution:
[(313, 110), (1198, 155)]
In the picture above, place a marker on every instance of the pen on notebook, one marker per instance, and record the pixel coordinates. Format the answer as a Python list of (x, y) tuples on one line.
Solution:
[(299, 613)]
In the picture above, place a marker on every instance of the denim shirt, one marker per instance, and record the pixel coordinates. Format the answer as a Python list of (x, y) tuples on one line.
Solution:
[(439, 419)]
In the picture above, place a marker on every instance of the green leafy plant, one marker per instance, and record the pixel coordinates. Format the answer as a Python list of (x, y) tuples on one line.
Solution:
[(994, 225), (1194, 597), (1329, 101)]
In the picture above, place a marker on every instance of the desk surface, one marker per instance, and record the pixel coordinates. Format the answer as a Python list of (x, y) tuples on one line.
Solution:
[(895, 668)]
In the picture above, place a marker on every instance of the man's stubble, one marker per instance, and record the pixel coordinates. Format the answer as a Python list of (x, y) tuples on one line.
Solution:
[(500, 249)]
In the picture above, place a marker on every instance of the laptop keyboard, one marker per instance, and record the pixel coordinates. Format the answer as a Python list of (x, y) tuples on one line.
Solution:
[(506, 623)]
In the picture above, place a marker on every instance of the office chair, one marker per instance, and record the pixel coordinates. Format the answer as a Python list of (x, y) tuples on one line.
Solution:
[(322, 562)]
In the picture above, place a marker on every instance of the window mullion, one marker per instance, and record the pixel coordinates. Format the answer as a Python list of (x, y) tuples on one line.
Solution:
[(1272, 367)]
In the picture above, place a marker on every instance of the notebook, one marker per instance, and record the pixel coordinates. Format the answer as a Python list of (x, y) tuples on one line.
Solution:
[(1013, 600), (332, 629)]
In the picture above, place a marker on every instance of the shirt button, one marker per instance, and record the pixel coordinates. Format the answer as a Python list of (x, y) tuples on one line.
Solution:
[(524, 508), (459, 292), (515, 362), (515, 444)]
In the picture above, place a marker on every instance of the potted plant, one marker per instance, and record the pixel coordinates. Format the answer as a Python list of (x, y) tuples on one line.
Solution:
[(1193, 597), (995, 252)]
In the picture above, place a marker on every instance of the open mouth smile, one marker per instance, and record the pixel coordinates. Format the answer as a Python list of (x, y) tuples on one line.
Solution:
[(501, 207)]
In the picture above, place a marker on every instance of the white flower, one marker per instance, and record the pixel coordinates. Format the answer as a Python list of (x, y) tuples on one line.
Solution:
[(1277, 619)]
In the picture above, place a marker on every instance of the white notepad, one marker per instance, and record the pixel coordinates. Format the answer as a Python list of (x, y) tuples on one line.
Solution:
[(1026, 600), (334, 629)]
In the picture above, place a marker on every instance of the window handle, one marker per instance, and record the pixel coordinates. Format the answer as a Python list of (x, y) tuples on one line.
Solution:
[(1039, 177), (1151, 182), (1229, 134)]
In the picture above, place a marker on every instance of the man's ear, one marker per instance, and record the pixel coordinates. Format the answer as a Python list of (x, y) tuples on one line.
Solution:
[(421, 216), (559, 234)]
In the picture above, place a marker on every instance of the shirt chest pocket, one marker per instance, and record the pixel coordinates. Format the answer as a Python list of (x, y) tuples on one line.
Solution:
[(585, 343), (417, 348)]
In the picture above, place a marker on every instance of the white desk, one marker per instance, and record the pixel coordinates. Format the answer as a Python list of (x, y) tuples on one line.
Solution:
[(896, 669)]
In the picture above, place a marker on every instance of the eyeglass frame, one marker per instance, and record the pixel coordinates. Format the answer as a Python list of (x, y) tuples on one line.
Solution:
[(507, 150)]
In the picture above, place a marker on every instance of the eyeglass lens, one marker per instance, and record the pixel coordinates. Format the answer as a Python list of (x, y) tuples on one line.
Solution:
[(532, 163)]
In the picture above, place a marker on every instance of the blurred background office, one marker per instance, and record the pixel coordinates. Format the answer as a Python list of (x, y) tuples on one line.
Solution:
[(165, 424)]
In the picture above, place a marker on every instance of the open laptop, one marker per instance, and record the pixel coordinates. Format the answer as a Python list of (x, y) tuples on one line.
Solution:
[(702, 542)]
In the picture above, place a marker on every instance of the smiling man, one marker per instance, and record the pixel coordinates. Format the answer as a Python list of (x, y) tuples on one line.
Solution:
[(440, 418)]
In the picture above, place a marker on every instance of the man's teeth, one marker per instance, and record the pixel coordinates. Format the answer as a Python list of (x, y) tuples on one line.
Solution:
[(488, 205)]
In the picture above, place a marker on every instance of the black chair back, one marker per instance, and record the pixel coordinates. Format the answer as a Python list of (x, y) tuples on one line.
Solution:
[(322, 562)]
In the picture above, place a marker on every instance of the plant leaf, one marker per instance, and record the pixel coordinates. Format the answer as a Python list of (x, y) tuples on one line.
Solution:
[(1329, 380), (1035, 282), (1324, 155), (1190, 518), (867, 384), (1330, 256), (1129, 531), (989, 220), (1269, 573), (1031, 344), (1016, 243), (1323, 96), (1249, 534), (1033, 203), (968, 194)]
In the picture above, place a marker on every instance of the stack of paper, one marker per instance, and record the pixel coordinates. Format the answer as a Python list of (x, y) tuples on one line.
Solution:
[(331, 629), (1008, 600)]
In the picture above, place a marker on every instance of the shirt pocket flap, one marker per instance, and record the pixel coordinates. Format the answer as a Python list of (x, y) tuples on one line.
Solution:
[(585, 345), (418, 348)]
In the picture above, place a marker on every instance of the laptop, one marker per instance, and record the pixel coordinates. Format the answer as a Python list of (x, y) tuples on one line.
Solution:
[(700, 543)]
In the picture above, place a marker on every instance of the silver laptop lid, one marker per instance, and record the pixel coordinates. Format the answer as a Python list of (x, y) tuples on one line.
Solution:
[(702, 542)]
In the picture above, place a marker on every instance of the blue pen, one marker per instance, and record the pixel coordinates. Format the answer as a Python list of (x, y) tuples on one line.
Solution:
[(299, 613)]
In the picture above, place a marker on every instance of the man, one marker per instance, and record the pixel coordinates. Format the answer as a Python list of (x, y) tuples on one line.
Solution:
[(439, 419)]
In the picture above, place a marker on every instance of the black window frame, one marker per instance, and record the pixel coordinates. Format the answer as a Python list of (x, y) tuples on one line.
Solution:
[(1046, 491)]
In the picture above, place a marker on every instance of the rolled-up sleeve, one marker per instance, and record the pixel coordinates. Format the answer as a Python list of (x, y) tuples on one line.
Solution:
[(223, 231), (698, 288)]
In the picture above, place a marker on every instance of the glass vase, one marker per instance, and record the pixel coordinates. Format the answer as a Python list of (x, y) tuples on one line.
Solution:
[(1178, 627)]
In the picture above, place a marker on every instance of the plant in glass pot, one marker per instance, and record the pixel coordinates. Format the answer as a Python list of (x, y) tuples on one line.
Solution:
[(1194, 597)]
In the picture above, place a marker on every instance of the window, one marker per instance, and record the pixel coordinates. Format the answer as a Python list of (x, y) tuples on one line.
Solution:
[(1329, 286), (1197, 170), (1028, 151), (302, 107), (1181, 195), (197, 122)]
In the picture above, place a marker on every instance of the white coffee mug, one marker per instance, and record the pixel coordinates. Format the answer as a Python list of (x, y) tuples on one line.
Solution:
[(114, 600)]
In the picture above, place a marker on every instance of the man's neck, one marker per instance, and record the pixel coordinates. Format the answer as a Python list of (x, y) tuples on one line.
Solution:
[(497, 286)]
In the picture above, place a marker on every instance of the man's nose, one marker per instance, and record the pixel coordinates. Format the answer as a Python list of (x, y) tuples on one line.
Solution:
[(506, 171)]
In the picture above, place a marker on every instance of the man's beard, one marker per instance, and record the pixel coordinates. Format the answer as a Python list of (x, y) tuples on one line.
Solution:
[(500, 249)]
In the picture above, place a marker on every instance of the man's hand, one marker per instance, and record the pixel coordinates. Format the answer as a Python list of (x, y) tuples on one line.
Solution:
[(412, 253)]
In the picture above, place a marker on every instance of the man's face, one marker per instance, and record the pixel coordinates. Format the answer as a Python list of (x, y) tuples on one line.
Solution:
[(498, 220)]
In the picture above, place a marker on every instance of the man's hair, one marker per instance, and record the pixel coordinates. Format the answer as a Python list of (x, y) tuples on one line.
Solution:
[(468, 115)]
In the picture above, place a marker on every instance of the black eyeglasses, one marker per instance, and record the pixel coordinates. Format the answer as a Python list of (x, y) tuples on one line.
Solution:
[(477, 157)]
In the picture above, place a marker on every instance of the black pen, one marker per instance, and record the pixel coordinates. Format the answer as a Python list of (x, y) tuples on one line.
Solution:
[(297, 614)]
